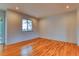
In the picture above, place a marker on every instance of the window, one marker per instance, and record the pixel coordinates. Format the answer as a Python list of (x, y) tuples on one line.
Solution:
[(26, 25)]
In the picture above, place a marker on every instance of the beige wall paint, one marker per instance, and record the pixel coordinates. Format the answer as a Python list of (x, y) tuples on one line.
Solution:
[(60, 27), (14, 32), (71, 28), (77, 26)]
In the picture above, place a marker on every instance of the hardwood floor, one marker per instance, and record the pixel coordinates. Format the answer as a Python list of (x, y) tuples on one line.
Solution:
[(43, 47)]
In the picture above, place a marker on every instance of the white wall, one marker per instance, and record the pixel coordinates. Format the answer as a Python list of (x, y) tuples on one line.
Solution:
[(59, 27), (14, 33)]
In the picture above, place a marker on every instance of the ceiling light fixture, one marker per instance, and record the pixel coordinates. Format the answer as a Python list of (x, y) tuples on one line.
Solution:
[(17, 8), (67, 6)]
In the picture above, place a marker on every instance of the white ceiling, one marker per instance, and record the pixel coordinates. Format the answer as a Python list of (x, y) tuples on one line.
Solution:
[(40, 9)]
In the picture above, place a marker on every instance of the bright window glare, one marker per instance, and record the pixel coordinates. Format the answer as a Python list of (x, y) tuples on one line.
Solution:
[(26, 25), (29, 25)]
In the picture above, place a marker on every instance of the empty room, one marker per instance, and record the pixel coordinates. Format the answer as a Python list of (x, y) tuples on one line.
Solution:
[(39, 29)]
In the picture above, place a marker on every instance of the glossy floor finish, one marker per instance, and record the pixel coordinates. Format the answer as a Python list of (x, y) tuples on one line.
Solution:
[(43, 47)]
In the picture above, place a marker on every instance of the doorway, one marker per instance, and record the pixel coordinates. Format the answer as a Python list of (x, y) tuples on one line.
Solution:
[(2, 30)]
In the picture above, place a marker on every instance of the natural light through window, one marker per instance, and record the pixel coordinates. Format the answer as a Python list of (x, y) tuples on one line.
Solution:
[(26, 25)]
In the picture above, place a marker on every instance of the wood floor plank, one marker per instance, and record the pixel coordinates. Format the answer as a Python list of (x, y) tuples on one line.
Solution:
[(43, 47)]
